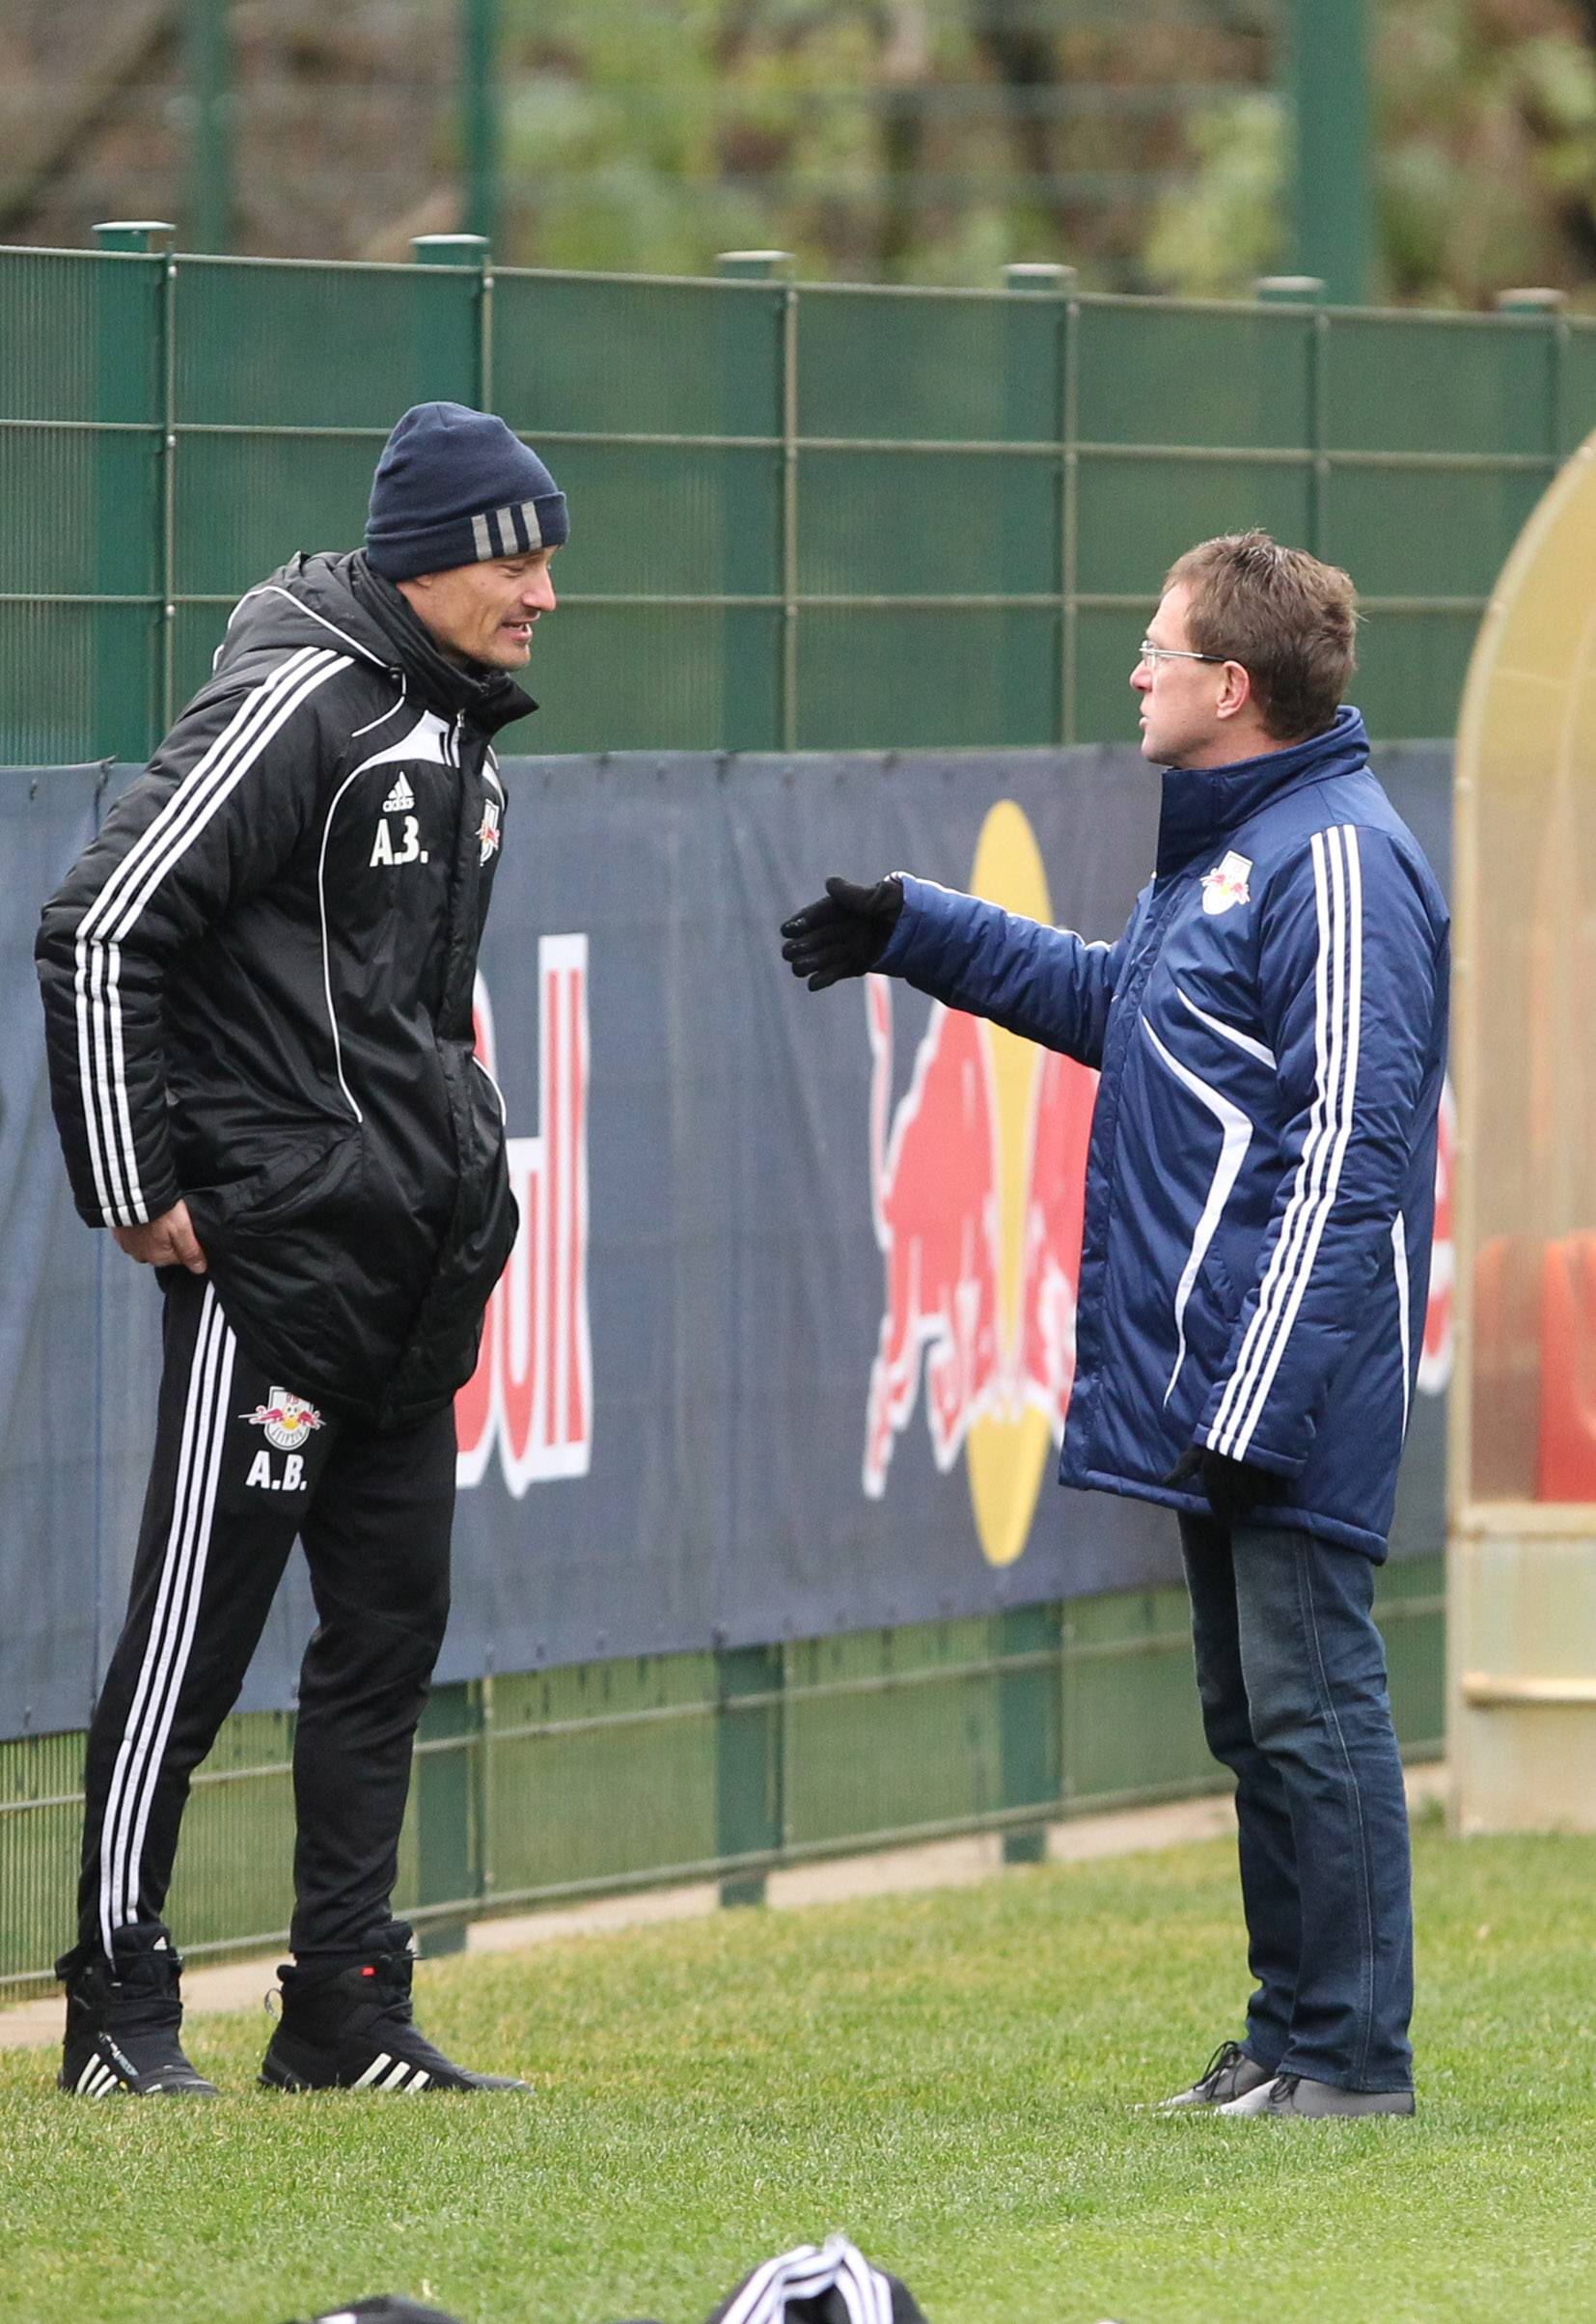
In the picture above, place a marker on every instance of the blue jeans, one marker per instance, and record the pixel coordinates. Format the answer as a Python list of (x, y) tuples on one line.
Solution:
[(1292, 1675)]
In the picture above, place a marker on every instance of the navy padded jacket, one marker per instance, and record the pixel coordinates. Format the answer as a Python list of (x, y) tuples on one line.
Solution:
[(1271, 1034)]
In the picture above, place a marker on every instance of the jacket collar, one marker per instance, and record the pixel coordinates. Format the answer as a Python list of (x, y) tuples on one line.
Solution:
[(337, 600), (1201, 806), (488, 697)]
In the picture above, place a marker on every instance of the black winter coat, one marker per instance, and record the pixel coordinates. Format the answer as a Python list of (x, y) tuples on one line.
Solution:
[(258, 993)]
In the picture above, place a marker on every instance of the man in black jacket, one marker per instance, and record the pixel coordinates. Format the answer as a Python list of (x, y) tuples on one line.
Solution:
[(257, 994)]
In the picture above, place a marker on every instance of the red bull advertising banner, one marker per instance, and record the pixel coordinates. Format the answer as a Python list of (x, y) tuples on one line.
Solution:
[(787, 1342), (977, 1176)]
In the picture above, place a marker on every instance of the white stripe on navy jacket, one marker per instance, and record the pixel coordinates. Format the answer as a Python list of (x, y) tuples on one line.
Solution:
[(1271, 1034)]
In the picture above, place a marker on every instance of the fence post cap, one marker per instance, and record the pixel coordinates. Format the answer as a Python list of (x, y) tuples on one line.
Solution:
[(451, 249), (754, 266), (1033, 274), (1289, 289), (135, 234), (1531, 299)]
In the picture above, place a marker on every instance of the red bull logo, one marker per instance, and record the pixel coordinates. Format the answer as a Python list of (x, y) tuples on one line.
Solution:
[(530, 1400), (287, 1419), (977, 1182), (1225, 885)]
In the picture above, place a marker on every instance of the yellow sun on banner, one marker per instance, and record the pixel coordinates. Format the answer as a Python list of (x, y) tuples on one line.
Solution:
[(1007, 1451)]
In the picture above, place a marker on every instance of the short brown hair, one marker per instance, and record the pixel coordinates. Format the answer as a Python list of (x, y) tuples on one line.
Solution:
[(1288, 620)]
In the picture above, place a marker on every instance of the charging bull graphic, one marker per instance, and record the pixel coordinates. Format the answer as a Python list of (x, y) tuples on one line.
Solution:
[(936, 1188), (977, 1186), (531, 1397)]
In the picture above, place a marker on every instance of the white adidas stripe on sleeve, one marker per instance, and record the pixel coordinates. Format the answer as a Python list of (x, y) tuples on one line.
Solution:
[(116, 910)]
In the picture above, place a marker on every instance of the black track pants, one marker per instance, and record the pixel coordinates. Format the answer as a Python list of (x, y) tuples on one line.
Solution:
[(240, 1468)]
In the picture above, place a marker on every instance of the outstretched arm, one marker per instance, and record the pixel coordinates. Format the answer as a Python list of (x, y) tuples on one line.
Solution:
[(1047, 984)]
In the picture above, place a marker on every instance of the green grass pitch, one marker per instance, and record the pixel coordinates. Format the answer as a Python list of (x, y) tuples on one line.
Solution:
[(949, 2077)]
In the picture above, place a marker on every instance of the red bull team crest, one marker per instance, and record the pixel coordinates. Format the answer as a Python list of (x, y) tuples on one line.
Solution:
[(1225, 885), (977, 1183), (287, 1419)]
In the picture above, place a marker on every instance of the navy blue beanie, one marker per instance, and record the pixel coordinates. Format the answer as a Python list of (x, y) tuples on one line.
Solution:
[(455, 486)]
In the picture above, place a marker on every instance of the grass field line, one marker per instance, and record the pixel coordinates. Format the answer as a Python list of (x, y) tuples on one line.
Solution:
[(882, 1872)]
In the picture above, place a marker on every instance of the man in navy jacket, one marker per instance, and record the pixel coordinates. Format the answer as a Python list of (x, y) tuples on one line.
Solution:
[(1270, 1031)]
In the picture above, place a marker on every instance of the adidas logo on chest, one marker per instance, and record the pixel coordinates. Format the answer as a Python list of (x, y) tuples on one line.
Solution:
[(399, 837)]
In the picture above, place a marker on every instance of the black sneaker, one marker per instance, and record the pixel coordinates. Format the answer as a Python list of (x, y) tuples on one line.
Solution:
[(123, 2019), (347, 2025), (1229, 2074)]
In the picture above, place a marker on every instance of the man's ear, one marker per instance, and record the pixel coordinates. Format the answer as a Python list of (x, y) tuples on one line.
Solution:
[(1235, 691)]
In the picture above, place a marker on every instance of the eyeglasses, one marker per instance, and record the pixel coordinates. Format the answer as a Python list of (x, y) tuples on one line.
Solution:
[(1151, 655)]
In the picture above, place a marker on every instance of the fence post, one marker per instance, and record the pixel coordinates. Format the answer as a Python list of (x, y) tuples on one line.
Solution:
[(465, 253), (479, 115), (1326, 55), (1541, 300), (1034, 562), (1308, 290), (759, 398), (450, 1836), (132, 559), (208, 72), (1031, 1724), (748, 1762)]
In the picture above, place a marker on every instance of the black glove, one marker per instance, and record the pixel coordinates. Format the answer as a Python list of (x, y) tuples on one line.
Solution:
[(1234, 1487), (844, 934)]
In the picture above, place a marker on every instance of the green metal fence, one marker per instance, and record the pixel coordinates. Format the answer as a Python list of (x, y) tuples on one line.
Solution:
[(805, 517), (538, 1789)]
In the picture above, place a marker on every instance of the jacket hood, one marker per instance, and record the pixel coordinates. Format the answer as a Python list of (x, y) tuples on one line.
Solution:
[(1201, 805), (339, 600)]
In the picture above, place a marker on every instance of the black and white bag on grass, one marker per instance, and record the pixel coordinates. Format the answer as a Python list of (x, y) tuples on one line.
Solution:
[(385, 2309), (830, 2283)]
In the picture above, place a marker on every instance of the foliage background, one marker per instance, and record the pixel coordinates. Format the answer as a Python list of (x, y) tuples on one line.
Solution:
[(917, 140)]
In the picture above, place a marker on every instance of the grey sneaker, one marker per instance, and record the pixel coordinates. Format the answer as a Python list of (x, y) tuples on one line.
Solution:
[(1299, 2097), (1229, 2074)]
